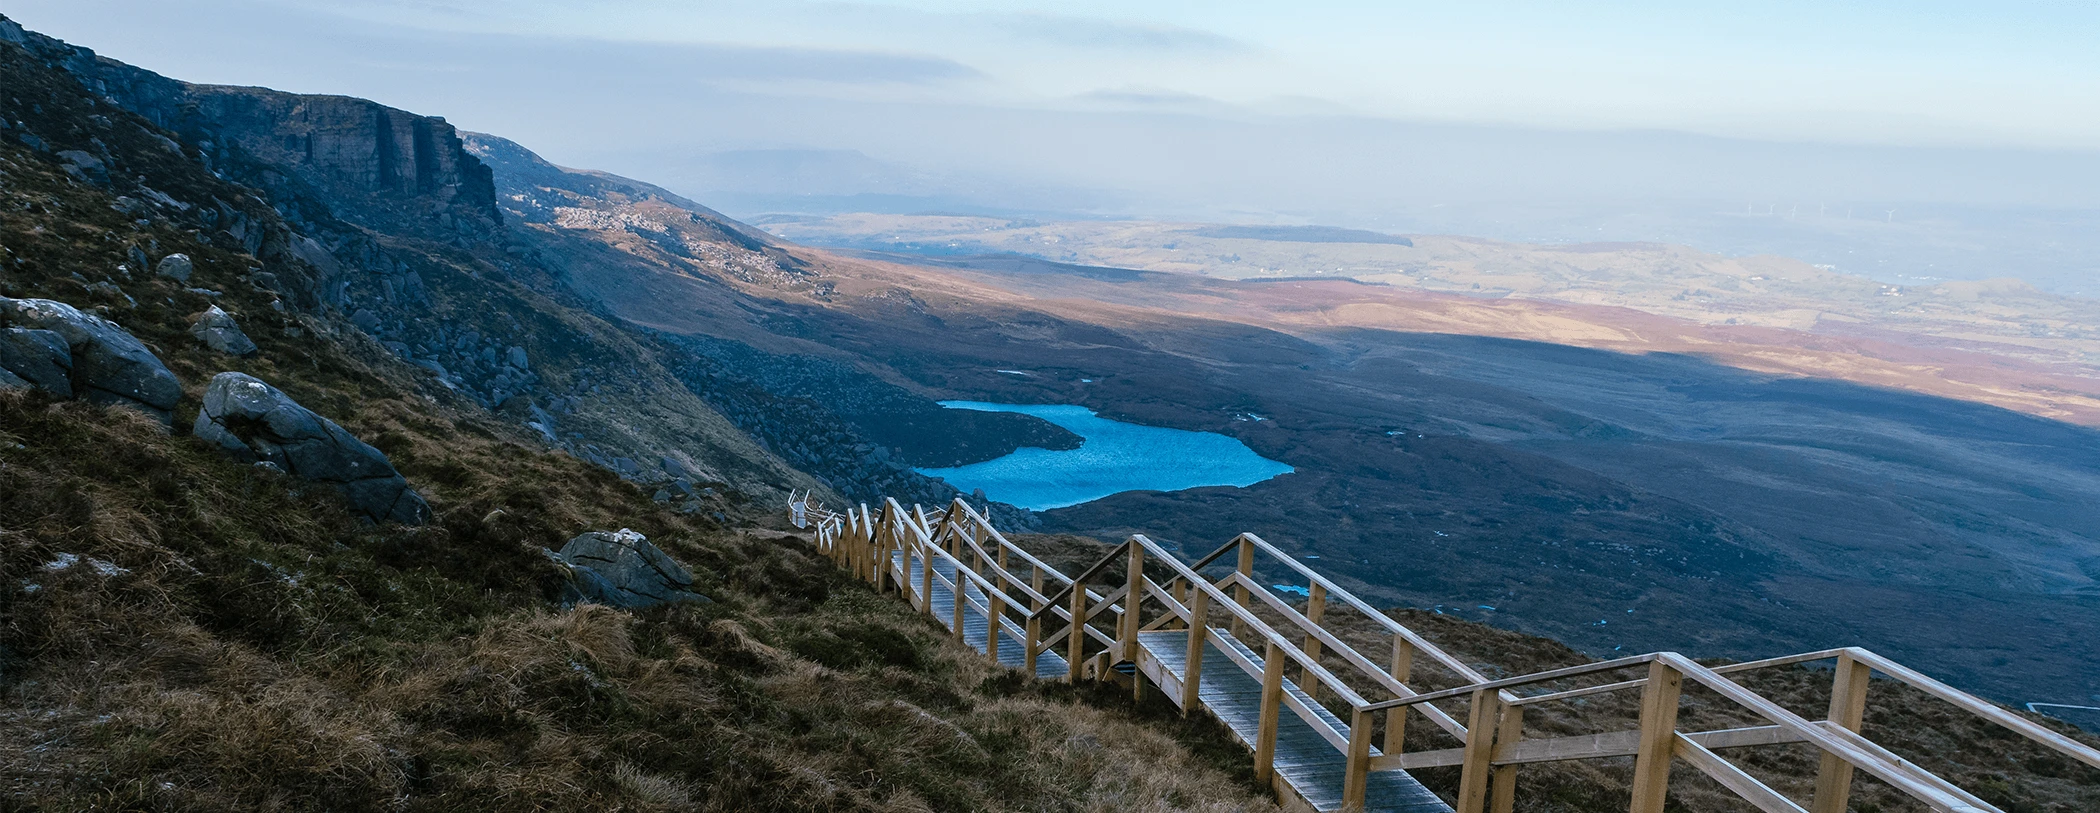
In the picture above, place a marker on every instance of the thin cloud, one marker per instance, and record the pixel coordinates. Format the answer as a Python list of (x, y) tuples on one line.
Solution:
[(1150, 99), (761, 63), (748, 66), (1094, 33)]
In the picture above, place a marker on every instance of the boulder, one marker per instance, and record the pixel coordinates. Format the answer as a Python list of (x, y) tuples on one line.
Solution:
[(83, 166), (110, 366), (218, 331), (176, 267), (38, 358), (256, 423), (623, 569)]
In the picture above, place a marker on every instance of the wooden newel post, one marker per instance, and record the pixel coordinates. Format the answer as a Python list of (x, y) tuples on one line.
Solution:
[(1271, 706), (960, 589), (1848, 710), (925, 575), (1658, 743), (1357, 776), (1239, 591), (1133, 617), (1315, 609), (1482, 723), (1199, 637), (1035, 639), (995, 623), (1503, 791), (1396, 717), (1133, 599), (1075, 645)]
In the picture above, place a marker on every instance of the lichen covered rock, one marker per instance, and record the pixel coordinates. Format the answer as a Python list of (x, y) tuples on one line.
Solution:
[(108, 364), (218, 330), (255, 422), (176, 267), (624, 569), (37, 358)]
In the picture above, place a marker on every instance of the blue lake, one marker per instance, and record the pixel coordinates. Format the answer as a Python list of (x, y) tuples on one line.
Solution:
[(1116, 457)]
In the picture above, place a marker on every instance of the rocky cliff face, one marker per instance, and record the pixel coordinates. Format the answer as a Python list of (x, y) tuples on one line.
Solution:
[(357, 221), (387, 223), (383, 168)]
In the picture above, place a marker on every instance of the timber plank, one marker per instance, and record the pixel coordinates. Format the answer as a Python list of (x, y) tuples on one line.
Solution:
[(1306, 760)]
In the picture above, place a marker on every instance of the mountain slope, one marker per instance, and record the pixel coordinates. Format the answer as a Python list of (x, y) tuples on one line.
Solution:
[(1672, 474), (182, 631)]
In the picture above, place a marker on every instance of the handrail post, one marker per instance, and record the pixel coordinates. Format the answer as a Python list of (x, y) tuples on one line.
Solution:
[(1315, 609), (1271, 704), (1848, 710), (925, 574), (994, 624), (1133, 601), (960, 590), (1075, 644), (1133, 596), (1199, 637), (862, 557), (1239, 591), (1658, 743), (1035, 638), (1503, 788), (1478, 761), (1396, 717), (1356, 777), (1181, 595)]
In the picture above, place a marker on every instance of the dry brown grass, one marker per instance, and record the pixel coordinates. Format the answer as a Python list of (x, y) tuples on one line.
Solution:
[(1997, 765), (265, 651)]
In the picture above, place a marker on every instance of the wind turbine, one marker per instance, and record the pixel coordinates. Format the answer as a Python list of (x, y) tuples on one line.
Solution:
[(1892, 215)]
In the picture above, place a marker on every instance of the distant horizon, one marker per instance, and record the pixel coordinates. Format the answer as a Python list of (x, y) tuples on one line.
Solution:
[(1103, 111)]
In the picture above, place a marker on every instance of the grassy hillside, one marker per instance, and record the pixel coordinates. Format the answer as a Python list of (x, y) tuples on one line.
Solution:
[(182, 632), (2000, 767)]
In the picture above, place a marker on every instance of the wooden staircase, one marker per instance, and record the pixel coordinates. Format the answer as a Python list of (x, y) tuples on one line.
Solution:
[(1210, 637)]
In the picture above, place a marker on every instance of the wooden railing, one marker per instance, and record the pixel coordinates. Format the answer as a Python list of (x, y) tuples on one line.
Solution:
[(1094, 619)]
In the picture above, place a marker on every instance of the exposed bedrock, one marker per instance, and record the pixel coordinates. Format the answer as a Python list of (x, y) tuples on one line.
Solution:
[(102, 363), (255, 422), (623, 569)]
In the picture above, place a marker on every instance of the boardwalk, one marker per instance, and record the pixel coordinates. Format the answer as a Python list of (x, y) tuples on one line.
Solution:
[(1304, 757), (1012, 652), (1137, 615)]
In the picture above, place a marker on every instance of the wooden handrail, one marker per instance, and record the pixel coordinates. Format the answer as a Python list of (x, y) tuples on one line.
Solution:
[(865, 540), (1970, 703)]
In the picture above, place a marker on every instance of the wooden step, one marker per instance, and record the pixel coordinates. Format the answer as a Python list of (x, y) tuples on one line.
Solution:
[(1306, 760)]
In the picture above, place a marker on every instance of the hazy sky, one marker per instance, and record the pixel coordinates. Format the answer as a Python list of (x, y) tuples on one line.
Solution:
[(2008, 72), (1532, 120)]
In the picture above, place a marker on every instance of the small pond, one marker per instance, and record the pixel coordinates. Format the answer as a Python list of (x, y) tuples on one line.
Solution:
[(1116, 457)]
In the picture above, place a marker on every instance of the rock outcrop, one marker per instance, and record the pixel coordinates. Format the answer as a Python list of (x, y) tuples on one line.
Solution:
[(217, 330), (37, 358), (104, 363), (176, 267), (383, 168), (623, 569), (255, 422)]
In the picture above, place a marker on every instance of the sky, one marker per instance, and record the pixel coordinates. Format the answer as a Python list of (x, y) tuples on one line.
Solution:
[(2006, 73), (1538, 119)]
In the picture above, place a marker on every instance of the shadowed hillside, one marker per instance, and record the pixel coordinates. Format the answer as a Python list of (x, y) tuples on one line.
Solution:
[(182, 630)]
